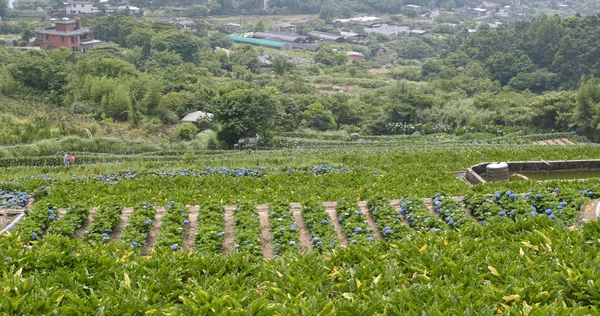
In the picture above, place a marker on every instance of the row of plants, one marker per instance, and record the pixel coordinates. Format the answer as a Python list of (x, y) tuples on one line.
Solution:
[(73, 219), (388, 220), (139, 225), (528, 267), (210, 236), (451, 211), (555, 203), (354, 222), (34, 225), (104, 222), (247, 229), (285, 236), (172, 228), (419, 217), (319, 224)]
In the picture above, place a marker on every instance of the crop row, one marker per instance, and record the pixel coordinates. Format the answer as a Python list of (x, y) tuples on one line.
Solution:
[(388, 220), (284, 233), (172, 228), (419, 217), (210, 235), (562, 205), (320, 226), (354, 223), (285, 236), (247, 229), (139, 226), (451, 211), (104, 222)]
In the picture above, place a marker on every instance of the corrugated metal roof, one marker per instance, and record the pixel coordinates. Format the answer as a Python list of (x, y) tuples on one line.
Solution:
[(256, 41)]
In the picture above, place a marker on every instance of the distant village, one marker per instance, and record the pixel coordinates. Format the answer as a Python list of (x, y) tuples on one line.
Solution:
[(68, 31)]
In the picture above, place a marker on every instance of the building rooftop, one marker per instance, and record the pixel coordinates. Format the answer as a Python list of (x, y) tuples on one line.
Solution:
[(358, 19), (53, 31), (256, 41), (389, 30), (353, 53), (285, 37), (196, 116)]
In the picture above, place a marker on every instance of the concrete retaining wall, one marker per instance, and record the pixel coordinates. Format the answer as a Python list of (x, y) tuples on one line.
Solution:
[(476, 172)]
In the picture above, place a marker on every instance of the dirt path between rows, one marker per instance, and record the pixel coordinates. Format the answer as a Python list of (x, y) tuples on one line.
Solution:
[(116, 234), (229, 228), (305, 238), (429, 203), (80, 232), (370, 220), (155, 231), (192, 228), (265, 230), (330, 209)]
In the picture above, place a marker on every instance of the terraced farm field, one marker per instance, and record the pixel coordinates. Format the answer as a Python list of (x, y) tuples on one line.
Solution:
[(360, 230)]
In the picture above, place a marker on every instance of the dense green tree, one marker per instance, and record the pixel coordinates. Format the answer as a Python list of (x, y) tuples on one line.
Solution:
[(245, 113), (319, 118), (281, 65)]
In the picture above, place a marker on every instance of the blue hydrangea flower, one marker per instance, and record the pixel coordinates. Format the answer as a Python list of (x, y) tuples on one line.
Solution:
[(34, 236), (502, 213), (341, 219), (174, 246), (147, 222), (370, 238), (292, 228), (185, 222), (104, 235), (324, 222), (353, 241), (332, 244), (548, 211), (134, 244), (219, 234), (358, 229), (292, 243), (551, 216), (319, 243)]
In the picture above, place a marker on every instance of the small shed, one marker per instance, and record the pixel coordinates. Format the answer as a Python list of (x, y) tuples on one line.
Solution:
[(198, 116), (286, 28), (259, 42), (356, 56)]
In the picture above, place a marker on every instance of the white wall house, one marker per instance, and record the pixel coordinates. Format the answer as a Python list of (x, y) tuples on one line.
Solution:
[(76, 7)]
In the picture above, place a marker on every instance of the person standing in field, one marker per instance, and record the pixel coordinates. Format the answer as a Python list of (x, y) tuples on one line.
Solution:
[(67, 159)]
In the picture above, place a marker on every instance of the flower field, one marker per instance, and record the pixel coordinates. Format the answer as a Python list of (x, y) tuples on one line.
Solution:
[(404, 236)]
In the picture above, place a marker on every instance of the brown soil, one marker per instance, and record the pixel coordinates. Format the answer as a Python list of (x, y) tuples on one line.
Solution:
[(229, 230), (330, 209), (155, 231), (81, 230), (559, 142), (191, 229), (305, 238), (265, 230), (567, 141), (370, 220), (116, 234)]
